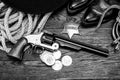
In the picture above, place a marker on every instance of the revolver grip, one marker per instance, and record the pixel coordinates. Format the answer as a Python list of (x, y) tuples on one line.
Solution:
[(17, 51)]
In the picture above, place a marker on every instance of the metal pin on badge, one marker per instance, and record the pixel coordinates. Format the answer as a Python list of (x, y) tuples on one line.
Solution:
[(71, 29)]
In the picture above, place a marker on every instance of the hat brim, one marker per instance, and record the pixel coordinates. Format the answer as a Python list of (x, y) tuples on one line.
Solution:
[(35, 6)]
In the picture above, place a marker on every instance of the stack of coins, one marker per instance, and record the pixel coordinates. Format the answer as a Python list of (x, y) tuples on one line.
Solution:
[(54, 59)]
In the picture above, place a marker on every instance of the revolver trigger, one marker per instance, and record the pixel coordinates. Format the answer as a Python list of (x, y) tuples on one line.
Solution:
[(28, 46)]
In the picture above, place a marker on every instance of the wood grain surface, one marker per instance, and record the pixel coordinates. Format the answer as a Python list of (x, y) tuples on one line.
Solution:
[(85, 65)]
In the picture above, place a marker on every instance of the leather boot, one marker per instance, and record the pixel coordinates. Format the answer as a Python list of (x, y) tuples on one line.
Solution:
[(94, 13), (76, 6)]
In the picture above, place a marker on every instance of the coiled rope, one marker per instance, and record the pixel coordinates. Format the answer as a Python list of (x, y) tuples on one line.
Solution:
[(115, 32), (16, 24)]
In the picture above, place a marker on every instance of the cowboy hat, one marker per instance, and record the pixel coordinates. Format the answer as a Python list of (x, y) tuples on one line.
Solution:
[(35, 6)]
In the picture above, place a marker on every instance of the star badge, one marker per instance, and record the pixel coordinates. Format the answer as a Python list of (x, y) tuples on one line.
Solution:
[(71, 29)]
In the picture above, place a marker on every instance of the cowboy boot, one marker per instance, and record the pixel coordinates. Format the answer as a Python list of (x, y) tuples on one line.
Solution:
[(94, 13), (76, 6)]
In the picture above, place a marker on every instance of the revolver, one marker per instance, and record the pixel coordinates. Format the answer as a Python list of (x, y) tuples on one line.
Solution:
[(51, 42)]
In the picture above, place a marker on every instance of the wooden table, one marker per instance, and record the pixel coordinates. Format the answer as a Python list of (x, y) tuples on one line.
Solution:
[(85, 64)]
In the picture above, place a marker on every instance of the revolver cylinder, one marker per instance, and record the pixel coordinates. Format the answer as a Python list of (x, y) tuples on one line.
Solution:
[(49, 38)]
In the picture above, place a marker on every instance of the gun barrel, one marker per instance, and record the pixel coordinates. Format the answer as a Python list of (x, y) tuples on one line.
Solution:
[(72, 44)]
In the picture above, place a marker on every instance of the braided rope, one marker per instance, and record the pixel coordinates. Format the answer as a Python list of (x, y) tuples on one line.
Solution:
[(16, 24)]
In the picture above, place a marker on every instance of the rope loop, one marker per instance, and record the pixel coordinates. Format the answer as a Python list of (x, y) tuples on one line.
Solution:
[(16, 24)]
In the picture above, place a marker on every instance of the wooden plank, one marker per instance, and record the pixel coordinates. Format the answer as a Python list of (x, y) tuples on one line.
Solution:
[(85, 65)]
